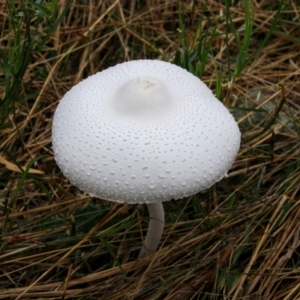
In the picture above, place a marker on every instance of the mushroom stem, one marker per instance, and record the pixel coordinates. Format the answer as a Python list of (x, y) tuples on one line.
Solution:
[(155, 229)]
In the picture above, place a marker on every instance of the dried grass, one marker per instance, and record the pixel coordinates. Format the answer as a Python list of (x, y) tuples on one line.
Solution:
[(239, 240)]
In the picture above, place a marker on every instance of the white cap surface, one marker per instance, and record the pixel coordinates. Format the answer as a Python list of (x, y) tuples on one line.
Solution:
[(143, 131)]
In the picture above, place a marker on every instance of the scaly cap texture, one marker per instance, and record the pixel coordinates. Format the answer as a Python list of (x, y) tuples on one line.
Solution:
[(143, 131)]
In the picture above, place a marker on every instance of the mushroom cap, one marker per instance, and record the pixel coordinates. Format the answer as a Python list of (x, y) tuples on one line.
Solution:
[(143, 131)]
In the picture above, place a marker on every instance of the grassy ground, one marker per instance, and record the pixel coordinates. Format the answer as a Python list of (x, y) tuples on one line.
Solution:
[(237, 240)]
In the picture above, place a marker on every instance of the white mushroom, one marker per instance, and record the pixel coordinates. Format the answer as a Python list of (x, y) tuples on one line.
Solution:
[(144, 131)]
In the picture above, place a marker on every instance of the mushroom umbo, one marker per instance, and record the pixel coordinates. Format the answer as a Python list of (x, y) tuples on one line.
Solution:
[(144, 131)]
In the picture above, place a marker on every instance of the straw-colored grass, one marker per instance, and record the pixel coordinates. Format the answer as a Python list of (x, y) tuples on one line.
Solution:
[(237, 240)]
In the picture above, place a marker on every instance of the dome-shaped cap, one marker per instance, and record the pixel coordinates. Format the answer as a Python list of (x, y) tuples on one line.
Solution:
[(143, 131)]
